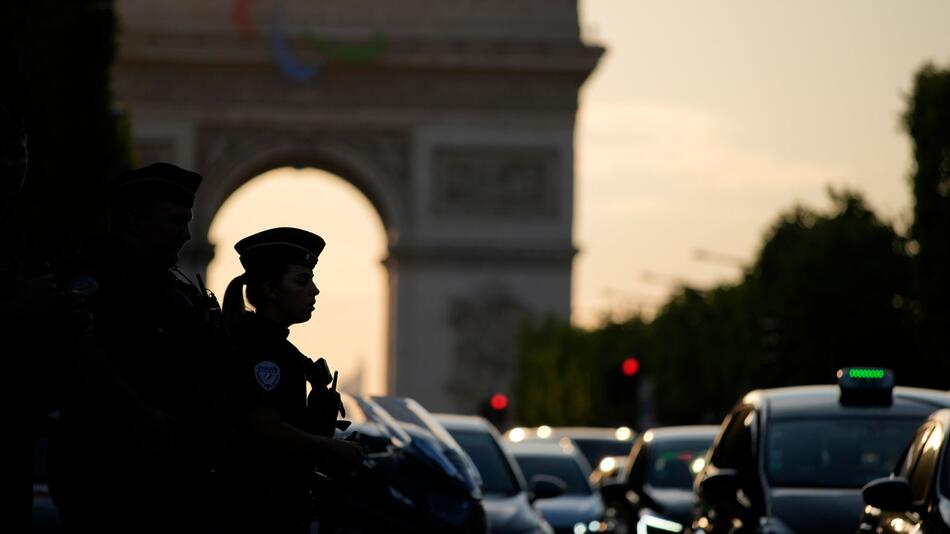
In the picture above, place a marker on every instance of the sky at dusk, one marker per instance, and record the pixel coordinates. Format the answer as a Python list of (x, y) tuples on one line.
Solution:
[(706, 119), (702, 123)]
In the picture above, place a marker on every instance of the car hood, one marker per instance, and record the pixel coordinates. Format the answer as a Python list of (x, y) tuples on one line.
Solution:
[(510, 514), (817, 510), (566, 510), (674, 504)]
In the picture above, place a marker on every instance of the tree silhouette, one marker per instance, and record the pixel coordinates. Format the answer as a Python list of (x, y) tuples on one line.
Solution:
[(56, 75), (928, 122)]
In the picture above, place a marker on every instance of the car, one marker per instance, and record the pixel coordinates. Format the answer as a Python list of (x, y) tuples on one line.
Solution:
[(595, 443), (416, 420), (655, 493), (579, 509), (794, 459), (916, 497), (509, 503), (409, 481)]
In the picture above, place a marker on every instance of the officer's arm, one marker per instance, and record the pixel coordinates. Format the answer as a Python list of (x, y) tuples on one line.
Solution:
[(266, 424), (271, 432), (99, 378)]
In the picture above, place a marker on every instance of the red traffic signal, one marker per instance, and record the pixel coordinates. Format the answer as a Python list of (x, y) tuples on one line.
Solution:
[(499, 401), (630, 366)]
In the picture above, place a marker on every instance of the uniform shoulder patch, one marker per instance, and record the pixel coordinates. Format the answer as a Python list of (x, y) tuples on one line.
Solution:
[(83, 285), (267, 374)]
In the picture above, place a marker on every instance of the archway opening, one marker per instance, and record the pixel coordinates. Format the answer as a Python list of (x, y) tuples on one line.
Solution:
[(348, 327)]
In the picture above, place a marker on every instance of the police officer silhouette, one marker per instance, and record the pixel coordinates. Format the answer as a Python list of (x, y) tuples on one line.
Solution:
[(281, 449), (39, 322), (143, 429)]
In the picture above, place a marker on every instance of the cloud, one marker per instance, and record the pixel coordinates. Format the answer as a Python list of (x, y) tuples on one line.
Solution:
[(641, 148), (656, 182)]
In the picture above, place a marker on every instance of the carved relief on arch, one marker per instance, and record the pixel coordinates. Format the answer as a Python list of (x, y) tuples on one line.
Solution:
[(375, 161), (388, 150)]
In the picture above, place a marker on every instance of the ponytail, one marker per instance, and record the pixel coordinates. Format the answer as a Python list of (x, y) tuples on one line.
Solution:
[(234, 307)]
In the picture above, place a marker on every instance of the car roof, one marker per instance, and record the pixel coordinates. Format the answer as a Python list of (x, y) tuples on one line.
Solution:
[(462, 422), (585, 432), (539, 447), (824, 400), (577, 433), (671, 433)]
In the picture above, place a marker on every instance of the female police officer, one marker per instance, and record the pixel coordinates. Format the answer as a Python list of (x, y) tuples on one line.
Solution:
[(279, 454)]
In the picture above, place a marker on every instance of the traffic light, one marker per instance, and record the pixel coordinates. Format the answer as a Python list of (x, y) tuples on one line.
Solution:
[(622, 389), (498, 402), (495, 409), (630, 366)]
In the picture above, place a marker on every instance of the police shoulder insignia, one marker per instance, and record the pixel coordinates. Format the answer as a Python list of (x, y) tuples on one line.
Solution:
[(267, 375), (83, 285)]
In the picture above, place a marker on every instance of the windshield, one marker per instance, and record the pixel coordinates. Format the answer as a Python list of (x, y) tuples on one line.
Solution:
[(565, 468), (596, 449), (834, 453), (673, 464), (489, 460)]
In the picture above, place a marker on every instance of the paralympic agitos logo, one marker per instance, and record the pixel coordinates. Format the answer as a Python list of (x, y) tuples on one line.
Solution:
[(282, 54)]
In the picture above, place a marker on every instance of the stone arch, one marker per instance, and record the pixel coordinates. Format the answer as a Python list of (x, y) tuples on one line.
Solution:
[(371, 165)]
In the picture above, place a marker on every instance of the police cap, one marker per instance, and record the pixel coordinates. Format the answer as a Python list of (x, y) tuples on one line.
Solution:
[(158, 182), (279, 246)]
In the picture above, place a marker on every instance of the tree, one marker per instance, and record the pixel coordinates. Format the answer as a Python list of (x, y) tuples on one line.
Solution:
[(58, 54), (835, 288), (705, 355), (553, 377), (564, 374), (928, 122)]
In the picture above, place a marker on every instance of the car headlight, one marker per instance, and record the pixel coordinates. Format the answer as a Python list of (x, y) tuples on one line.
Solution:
[(651, 524), (592, 526)]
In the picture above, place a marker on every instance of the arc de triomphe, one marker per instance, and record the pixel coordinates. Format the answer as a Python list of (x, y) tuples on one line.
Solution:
[(454, 117)]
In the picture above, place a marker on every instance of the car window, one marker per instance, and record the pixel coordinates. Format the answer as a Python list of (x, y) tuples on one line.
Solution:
[(490, 461), (905, 465), (834, 452), (596, 449), (734, 449), (923, 474), (565, 468), (673, 464)]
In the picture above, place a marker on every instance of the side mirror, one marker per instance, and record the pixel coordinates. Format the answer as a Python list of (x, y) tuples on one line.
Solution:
[(547, 487), (719, 487), (888, 494)]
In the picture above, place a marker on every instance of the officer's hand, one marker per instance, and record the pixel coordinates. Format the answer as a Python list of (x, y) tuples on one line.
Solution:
[(347, 457)]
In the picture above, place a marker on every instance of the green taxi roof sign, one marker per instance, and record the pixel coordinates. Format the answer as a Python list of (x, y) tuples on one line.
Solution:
[(865, 385), (870, 374)]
